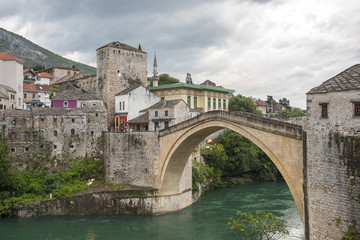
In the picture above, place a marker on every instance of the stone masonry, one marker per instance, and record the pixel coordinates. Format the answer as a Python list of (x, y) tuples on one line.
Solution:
[(333, 156)]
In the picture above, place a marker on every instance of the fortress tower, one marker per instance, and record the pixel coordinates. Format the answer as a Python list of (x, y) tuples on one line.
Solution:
[(119, 66)]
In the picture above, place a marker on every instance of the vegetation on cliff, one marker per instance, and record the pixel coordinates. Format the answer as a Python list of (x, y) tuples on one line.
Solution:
[(23, 187)]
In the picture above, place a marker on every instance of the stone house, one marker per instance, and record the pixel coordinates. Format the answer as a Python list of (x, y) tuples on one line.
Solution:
[(11, 75), (72, 96), (36, 95), (261, 106), (161, 115), (48, 138), (333, 155), (11, 93), (4, 98), (60, 72), (129, 102)]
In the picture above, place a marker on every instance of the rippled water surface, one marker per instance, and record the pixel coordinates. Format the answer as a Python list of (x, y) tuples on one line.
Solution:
[(207, 219)]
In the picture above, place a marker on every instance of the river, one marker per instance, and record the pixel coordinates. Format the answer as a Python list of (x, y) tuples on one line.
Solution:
[(206, 219)]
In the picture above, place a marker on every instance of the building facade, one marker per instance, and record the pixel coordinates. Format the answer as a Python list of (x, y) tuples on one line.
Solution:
[(333, 156), (11, 75), (36, 95), (62, 72)]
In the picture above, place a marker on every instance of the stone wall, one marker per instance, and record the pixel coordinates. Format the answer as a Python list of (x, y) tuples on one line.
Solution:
[(132, 158), (48, 138), (333, 165)]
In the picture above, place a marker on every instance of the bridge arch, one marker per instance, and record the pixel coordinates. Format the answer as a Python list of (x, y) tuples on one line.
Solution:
[(281, 142)]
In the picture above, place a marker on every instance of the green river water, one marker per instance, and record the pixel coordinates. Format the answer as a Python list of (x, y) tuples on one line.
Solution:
[(206, 219)]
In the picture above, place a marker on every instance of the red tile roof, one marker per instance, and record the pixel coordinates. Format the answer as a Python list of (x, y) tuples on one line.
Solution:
[(36, 87), (39, 74), (8, 56)]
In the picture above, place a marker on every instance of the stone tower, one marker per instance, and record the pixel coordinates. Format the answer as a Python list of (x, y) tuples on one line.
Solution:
[(119, 66), (155, 78)]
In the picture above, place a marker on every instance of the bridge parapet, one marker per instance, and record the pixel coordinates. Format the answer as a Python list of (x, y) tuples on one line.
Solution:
[(244, 118)]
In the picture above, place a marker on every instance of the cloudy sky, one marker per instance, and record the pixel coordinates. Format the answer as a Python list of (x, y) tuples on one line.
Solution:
[(281, 48)]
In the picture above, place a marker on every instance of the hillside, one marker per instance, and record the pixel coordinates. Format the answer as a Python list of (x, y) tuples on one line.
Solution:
[(33, 54)]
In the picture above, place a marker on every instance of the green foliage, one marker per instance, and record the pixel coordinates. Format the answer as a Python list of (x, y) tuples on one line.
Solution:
[(349, 234), (29, 186), (244, 104), (5, 164), (37, 67), (200, 173), (53, 89), (286, 103), (295, 112), (263, 226), (165, 79)]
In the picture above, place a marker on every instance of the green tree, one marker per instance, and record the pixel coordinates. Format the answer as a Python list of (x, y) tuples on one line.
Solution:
[(285, 102), (139, 47), (165, 79), (5, 164), (38, 67), (244, 104), (295, 112), (263, 226)]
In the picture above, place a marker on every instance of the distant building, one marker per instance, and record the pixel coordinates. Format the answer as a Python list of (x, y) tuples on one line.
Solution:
[(72, 96), (203, 96), (11, 75), (128, 104), (161, 115), (37, 77), (36, 95), (11, 94), (61, 72), (261, 106)]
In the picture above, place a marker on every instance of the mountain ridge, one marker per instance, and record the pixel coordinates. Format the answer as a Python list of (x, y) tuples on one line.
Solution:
[(33, 54)]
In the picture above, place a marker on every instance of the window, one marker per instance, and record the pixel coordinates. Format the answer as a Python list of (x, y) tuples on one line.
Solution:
[(166, 113), (224, 104), (83, 104), (13, 149), (27, 149), (357, 109), (27, 134), (209, 103), (41, 146), (156, 113), (25, 95), (92, 133), (42, 133), (72, 132), (219, 104), (1, 106), (166, 124), (55, 133), (123, 105), (324, 110), (33, 95), (94, 104), (156, 125), (71, 146), (13, 135), (162, 99), (96, 114), (55, 120), (214, 104), (72, 120), (195, 102), (189, 101), (120, 106), (55, 147), (66, 104)]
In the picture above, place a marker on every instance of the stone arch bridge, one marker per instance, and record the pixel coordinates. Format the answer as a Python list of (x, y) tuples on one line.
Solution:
[(281, 141)]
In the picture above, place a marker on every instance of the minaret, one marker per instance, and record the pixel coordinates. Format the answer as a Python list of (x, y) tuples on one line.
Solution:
[(155, 77)]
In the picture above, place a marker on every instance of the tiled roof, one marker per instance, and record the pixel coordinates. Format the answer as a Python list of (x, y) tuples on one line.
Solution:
[(36, 87), (38, 73), (127, 90), (140, 119), (8, 56), (122, 46), (73, 92), (346, 80), (168, 103)]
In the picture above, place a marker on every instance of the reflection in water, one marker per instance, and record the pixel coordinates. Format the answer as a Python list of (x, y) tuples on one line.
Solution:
[(206, 219)]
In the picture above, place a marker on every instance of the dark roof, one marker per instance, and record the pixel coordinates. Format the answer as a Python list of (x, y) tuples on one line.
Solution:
[(122, 46), (73, 92), (168, 103), (3, 95), (127, 90), (346, 80), (7, 88), (140, 119)]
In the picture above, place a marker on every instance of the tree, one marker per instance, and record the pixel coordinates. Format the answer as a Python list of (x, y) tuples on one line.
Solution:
[(263, 226), (244, 104), (286, 103), (165, 79), (5, 164), (38, 67), (295, 112), (139, 48)]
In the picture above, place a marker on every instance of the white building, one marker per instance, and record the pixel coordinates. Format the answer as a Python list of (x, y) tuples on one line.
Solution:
[(11, 74), (129, 102)]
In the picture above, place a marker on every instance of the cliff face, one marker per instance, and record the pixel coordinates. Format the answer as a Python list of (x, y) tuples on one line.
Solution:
[(33, 54)]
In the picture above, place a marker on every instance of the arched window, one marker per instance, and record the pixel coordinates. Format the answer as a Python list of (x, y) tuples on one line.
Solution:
[(83, 104), (72, 132), (94, 104), (42, 133), (66, 104), (55, 133)]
